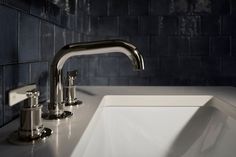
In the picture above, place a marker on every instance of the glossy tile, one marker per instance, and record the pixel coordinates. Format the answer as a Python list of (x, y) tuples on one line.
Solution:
[(60, 38), (23, 74), (118, 81), (1, 97), (199, 46), (169, 25), (40, 76), (23, 5), (69, 37), (220, 46), (98, 81), (128, 25), (98, 8), (107, 26), (178, 46), (118, 8), (158, 46), (221, 7), (108, 66), (8, 38), (38, 8), (160, 7), (53, 13), (138, 7), (28, 39), (188, 25), (141, 81), (149, 25), (210, 25), (47, 41)]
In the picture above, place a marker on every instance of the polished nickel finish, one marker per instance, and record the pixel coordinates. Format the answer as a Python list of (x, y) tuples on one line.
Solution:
[(31, 128), (30, 123), (64, 115), (19, 94), (70, 89), (57, 103), (14, 138)]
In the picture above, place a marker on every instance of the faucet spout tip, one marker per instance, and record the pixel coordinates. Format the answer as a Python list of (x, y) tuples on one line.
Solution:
[(139, 62)]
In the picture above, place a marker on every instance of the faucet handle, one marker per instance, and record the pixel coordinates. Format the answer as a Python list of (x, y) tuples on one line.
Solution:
[(72, 74), (33, 98), (70, 90), (19, 94)]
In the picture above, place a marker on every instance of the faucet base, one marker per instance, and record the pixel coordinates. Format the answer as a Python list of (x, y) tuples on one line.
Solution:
[(64, 115), (74, 103), (14, 138)]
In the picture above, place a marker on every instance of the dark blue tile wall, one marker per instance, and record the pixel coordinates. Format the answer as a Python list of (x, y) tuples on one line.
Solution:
[(39, 75), (138, 7), (117, 8), (8, 40), (183, 42), (47, 41), (1, 97), (28, 44), (60, 38), (23, 5)]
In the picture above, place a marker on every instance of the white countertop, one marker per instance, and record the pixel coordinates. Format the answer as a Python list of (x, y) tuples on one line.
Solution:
[(67, 133)]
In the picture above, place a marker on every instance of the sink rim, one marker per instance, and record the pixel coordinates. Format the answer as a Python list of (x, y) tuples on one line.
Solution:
[(155, 100)]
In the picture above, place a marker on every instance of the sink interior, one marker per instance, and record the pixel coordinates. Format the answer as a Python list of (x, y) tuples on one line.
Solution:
[(163, 126)]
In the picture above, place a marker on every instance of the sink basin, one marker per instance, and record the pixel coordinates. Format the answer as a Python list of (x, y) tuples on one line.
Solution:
[(160, 126)]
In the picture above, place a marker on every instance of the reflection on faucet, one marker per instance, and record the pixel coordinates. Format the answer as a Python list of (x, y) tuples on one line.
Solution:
[(56, 105)]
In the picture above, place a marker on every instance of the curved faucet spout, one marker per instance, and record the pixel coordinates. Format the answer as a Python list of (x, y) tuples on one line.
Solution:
[(56, 106)]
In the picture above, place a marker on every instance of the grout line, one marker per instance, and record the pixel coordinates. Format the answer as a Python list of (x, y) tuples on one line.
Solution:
[(18, 33), (40, 42), (2, 101)]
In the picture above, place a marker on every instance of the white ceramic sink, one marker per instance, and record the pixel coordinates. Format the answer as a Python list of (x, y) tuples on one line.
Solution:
[(160, 126)]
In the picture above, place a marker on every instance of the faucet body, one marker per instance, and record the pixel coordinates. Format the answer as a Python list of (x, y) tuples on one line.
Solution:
[(56, 105), (31, 129)]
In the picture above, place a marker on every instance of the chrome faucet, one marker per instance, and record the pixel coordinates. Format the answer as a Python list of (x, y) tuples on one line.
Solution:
[(57, 104), (31, 129)]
